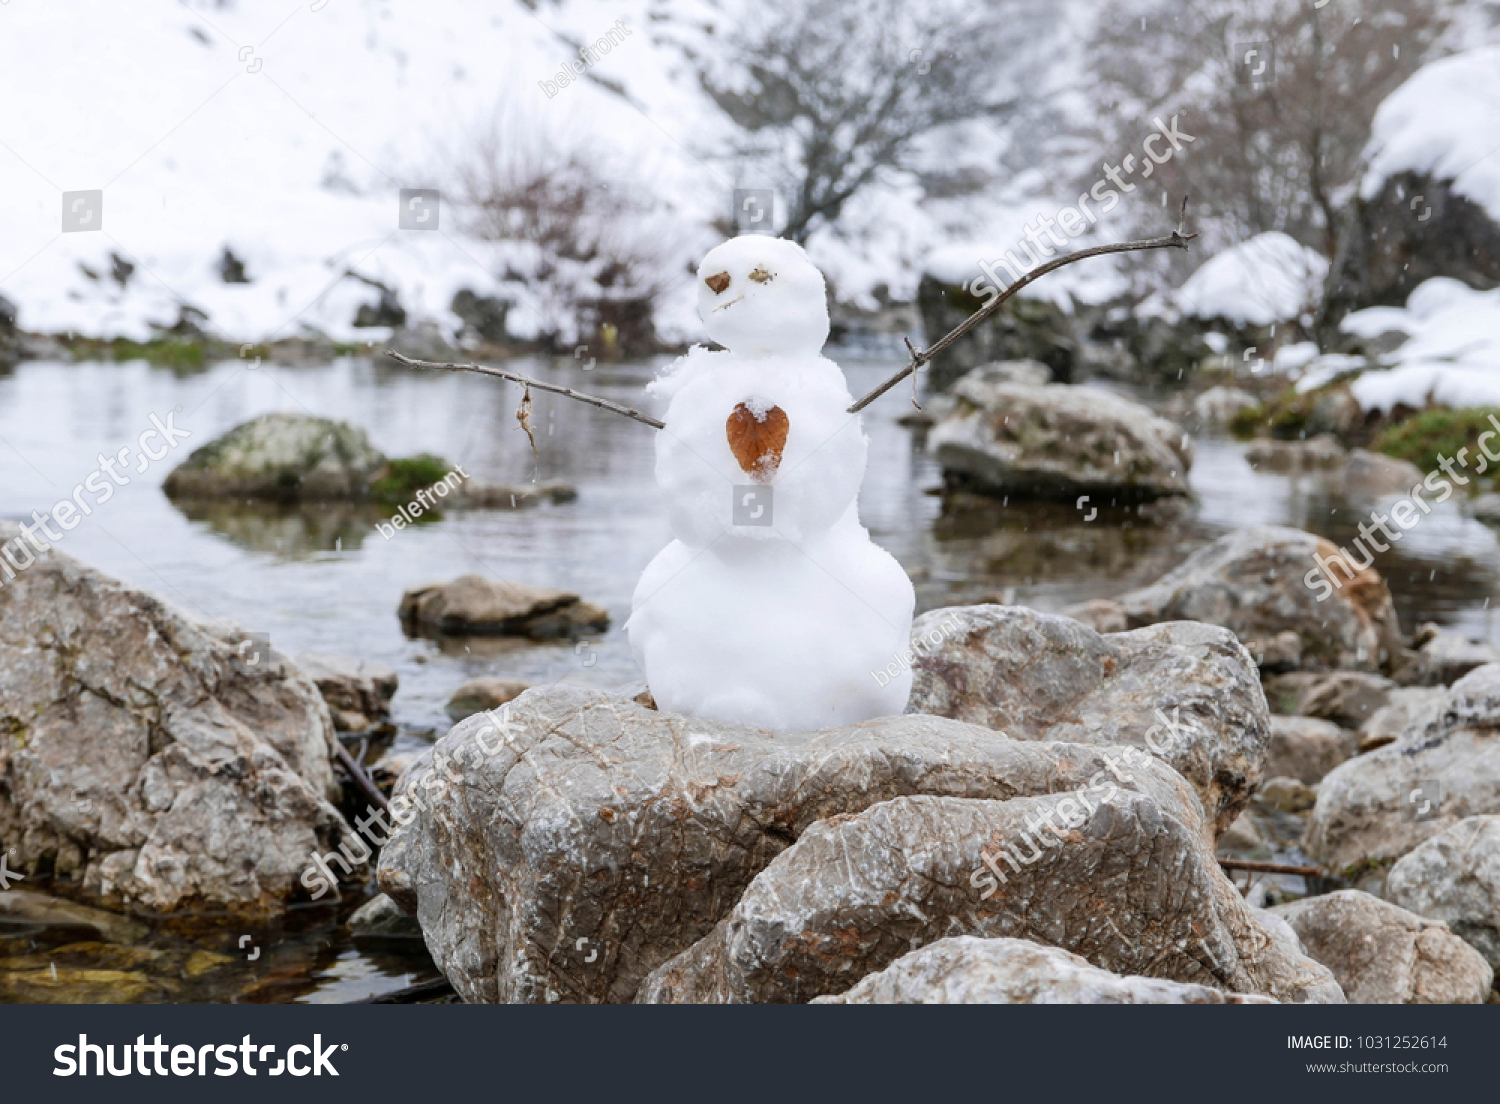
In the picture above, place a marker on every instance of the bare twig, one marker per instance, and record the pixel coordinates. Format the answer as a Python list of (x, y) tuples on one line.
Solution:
[(358, 776), (526, 381), (1175, 240)]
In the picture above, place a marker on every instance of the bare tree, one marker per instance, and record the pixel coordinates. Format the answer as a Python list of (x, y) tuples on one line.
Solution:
[(832, 93), (1279, 131)]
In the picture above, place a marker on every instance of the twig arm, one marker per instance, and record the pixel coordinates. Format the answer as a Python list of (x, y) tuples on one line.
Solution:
[(1175, 240), (527, 381)]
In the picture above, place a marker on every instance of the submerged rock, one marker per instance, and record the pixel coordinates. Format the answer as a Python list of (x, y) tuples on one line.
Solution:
[(479, 694), (967, 970), (472, 604), (282, 456), (1441, 770), (571, 854), (1057, 441), (1455, 877), (1254, 582), (1382, 954), (151, 761), (1186, 692)]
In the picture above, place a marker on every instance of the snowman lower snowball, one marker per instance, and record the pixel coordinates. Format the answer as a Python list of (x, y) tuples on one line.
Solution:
[(772, 607)]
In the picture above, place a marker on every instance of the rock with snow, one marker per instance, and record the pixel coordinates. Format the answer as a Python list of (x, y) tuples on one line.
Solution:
[(964, 969), (1254, 582), (1187, 693), (1264, 280), (472, 605), (154, 763), (1455, 877), (1441, 770), (589, 818), (1057, 441), (1428, 204), (1383, 954), (853, 894), (1218, 406), (1305, 748), (283, 456)]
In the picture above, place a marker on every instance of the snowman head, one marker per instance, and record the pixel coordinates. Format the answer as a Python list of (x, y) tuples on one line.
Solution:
[(762, 295)]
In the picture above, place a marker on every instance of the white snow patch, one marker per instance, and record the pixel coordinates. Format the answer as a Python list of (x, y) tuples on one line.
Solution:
[(1268, 278)]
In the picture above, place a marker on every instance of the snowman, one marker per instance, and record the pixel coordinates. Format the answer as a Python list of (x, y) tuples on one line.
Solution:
[(772, 607)]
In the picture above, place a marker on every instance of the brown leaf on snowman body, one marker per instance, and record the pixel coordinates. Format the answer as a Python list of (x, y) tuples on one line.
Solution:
[(757, 442)]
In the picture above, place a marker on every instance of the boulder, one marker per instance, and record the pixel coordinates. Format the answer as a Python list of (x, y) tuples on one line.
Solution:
[(474, 605), (855, 893), (1455, 877), (1023, 328), (1057, 441), (582, 842), (1382, 954), (479, 694), (1401, 709), (1444, 657), (154, 763), (282, 456), (1254, 582), (1372, 474), (1442, 769), (380, 918), (358, 691), (1186, 692), (1305, 748), (1348, 698), (966, 970)]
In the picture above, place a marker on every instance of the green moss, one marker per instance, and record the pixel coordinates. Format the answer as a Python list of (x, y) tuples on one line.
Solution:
[(1430, 434), (402, 478)]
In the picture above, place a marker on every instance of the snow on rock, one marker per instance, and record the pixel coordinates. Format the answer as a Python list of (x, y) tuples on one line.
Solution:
[(1268, 278), (1442, 123)]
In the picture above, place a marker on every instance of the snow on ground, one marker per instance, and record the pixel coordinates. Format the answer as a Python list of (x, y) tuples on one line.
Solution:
[(1265, 279), (1452, 356), (1443, 122)]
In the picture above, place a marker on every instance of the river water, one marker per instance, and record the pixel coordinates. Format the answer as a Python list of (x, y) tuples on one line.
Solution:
[(323, 579)]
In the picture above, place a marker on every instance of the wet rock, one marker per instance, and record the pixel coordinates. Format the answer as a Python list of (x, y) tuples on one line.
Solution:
[(1320, 453), (1382, 954), (589, 817), (1455, 877), (1305, 748), (479, 694), (357, 690), (1254, 583), (153, 762), (382, 918), (855, 893), (281, 456), (1021, 329), (1348, 698), (69, 985), (1185, 692), (1442, 769), (1401, 709), (967, 970), (1057, 441), (472, 604), (202, 962), (28, 909)]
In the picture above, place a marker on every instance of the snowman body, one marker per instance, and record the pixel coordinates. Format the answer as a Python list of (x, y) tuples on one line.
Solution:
[(772, 607)]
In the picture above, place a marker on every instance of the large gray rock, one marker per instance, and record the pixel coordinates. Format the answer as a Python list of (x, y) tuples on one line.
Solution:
[(1253, 582), (572, 853), (1057, 441), (284, 456), (1455, 877), (1403, 706), (472, 604), (152, 762), (1186, 692), (1443, 769), (1306, 748), (966, 970), (1022, 329), (1382, 954), (1128, 886)]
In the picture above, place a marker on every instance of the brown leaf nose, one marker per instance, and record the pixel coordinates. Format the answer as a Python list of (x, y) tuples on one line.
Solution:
[(718, 281), (757, 441)]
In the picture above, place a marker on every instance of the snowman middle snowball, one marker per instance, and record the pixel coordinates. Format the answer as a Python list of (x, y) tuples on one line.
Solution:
[(772, 607)]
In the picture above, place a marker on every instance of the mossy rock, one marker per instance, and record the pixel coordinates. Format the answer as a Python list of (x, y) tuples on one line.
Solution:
[(291, 457), (398, 482), (1427, 435)]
